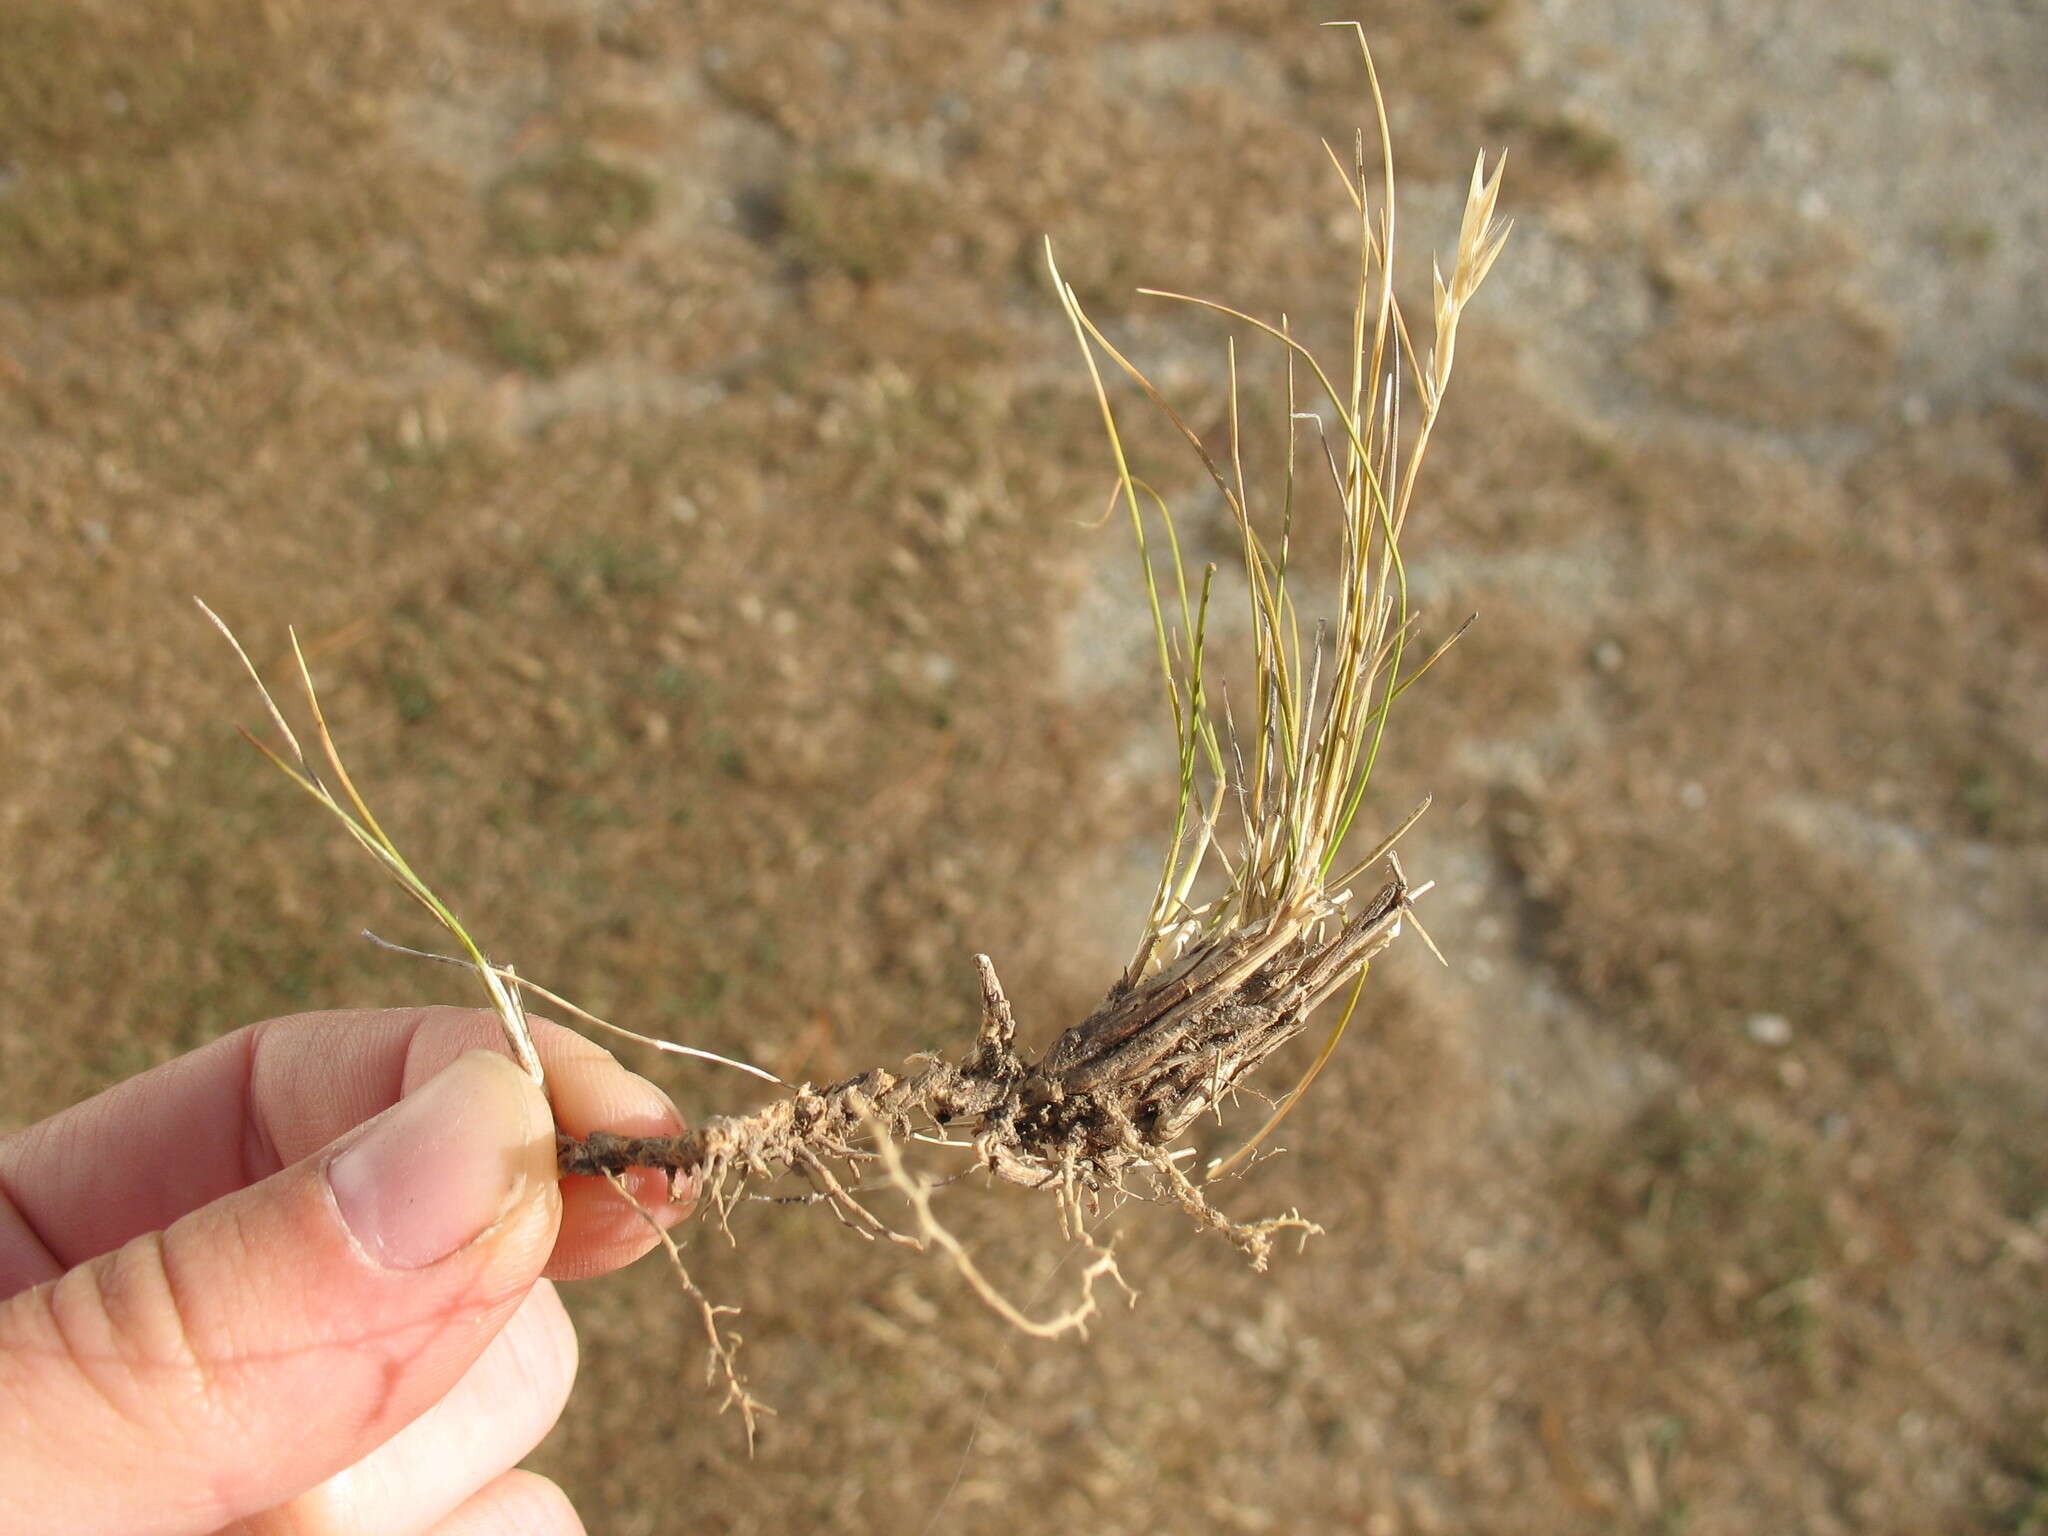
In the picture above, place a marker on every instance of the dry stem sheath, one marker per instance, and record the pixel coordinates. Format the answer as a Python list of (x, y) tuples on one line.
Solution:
[(1110, 1096)]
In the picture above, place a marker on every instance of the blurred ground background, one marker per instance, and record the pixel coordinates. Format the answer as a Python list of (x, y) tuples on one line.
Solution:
[(654, 419)]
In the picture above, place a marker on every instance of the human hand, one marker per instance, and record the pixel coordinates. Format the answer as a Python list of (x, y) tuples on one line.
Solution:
[(227, 1302)]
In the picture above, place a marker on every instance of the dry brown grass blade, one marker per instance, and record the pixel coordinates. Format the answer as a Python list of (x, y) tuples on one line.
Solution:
[(1293, 1097)]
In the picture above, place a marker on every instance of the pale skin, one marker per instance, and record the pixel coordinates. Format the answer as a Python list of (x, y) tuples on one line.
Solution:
[(243, 1292)]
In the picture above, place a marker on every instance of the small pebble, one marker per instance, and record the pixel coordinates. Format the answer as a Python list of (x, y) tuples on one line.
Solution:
[(1772, 1029)]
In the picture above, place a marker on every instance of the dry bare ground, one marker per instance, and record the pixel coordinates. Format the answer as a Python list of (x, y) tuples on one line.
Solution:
[(656, 421)]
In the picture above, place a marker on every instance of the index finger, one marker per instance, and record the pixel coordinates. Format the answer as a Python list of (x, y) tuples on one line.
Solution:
[(138, 1156)]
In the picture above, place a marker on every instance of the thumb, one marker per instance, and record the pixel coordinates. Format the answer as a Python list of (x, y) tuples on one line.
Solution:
[(270, 1339)]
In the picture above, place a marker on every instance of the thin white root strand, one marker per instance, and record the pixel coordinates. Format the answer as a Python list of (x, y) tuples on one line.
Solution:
[(932, 1233), (1254, 1239), (722, 1364), (674, 1048)]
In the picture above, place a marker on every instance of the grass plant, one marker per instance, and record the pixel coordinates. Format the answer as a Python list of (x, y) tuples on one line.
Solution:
[(1264, 909)]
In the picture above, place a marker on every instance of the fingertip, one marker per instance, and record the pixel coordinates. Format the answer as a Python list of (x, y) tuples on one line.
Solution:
[(602, 1230), (592, 1091), (588, 1089), (518, 1503), (483, 1130), (272, 1338)]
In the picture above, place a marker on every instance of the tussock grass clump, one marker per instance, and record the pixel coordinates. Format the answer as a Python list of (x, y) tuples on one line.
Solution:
[(1263, 909)]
